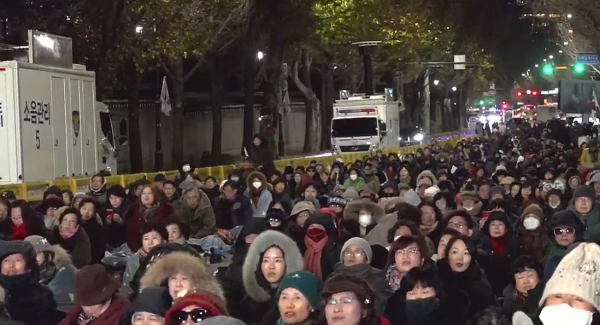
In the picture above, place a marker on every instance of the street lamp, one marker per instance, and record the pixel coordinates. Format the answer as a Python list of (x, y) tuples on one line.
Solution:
[(260, 55), (537, 65), (569, 16), (522, 75), (566, 43), (560, 51), (139, 29), (436, 82), (551, 57), (545, 60), (454, 88)]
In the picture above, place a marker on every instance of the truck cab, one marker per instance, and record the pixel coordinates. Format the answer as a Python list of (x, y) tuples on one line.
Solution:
[(365, 123)]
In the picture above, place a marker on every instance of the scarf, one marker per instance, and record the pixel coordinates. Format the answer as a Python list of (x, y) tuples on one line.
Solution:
[(148, 213), (499, 245), (84, 319), (47, 272), (19, 232), (557, 250), (66, 233), (394, 277), (404, 181), (314, 252), (428, 229)]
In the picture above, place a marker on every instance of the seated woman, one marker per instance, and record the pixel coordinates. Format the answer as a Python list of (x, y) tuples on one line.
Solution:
[(420, 299), (406, 253), (299, 298), (526, 290), (72, 237), (351, 299), (569, 296)]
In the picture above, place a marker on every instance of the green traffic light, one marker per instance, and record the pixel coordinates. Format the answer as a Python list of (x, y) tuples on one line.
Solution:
[(481, 102), (579, 68), (548, 70)]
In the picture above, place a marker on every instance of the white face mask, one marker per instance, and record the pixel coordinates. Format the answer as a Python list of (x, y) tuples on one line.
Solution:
[(531, 223), (257, 185), (554, 206), (235, 178), (353, 177), (365, 220), (565, 314), (186, 168), (468, 209)]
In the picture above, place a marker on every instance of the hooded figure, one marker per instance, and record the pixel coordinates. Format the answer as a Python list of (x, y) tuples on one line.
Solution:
[(153, 300), (362, 216), (56, 271), (193, 268), (322, 251), (261, 155), (197, 213), (533, 234), (27, 300), (588, 212), (258, 193), (263, 271), (564, 229)]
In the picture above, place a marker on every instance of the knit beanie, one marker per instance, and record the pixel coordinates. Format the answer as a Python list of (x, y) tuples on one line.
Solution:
[(497, 216), (303, 206), (350, 194), (533, 209), (577, 274), (350, 283), (497, 190), (337, 200), (469, 195), (584, 191), (307, 283), (363, 244)]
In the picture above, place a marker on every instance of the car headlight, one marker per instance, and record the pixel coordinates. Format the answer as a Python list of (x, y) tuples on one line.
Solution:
[(482, 119), (419, 137)]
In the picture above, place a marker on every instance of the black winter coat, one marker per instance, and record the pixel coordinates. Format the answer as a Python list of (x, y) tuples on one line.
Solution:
[(97, 235), (31, 303), (467, 293), (496, 267)]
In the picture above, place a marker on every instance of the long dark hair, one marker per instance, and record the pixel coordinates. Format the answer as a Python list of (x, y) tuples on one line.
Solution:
[(33, 223)]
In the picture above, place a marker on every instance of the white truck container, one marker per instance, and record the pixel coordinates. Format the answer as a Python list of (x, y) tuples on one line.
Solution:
[(51, 126), (365, 123)]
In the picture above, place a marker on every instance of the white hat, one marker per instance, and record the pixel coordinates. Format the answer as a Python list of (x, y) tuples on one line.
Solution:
[(577, 274), (432, 191)]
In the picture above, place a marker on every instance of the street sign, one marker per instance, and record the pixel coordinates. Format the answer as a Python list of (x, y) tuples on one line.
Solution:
[(588, 58), (459, 59)]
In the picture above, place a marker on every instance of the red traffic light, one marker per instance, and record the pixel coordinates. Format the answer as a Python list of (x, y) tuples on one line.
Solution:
[(505, 106), (519, 93), (534, 92)]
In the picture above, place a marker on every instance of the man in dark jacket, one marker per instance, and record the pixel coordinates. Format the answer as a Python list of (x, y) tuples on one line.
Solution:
[(262, 157), (233, 208), (27, 301)]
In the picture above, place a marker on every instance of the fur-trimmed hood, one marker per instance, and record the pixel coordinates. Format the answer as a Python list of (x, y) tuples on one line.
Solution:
[(194, 268), (294, 261), (353, 208), (263, 180), (62, 258)]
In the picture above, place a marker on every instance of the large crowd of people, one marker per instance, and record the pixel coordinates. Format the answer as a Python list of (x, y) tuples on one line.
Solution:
[(501, 229)]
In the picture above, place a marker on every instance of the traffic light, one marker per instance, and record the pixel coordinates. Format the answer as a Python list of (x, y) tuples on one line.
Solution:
[(505, 106), (579, 68), (519, 93), (534, 93), (548, 70), (481, 102)]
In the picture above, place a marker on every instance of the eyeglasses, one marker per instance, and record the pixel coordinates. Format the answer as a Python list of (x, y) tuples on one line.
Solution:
[(197, 315), (425, 186), (303, 214), (353, 253), (566, 230), (273, 220), (407, 251), (457, 226), (342, 300)]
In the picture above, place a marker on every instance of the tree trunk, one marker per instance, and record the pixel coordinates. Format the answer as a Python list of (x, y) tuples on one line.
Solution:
[(216, 96), (301, 78), (250, 73), (135, 139), (273, 95), (328, 99), (177, 112)]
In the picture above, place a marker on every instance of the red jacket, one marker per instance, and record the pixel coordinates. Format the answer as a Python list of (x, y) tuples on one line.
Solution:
[(134, 221), (111, 316)]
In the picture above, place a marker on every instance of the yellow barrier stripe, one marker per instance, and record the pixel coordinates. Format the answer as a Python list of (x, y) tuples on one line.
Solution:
[(34, 191)]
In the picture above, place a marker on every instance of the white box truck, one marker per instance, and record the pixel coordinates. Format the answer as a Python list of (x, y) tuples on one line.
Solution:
[(365, 123), (51, 126)]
